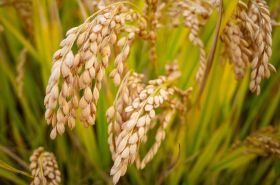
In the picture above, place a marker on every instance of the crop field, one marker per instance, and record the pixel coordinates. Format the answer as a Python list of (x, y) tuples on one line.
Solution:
[(140, 92)]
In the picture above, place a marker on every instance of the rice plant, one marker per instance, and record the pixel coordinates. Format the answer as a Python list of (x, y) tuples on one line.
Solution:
[(139, 92)]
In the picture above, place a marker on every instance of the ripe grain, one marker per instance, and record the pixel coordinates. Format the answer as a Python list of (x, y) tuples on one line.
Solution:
[(44, 168)]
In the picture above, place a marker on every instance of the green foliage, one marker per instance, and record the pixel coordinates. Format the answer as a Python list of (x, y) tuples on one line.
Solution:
[(197, 149)]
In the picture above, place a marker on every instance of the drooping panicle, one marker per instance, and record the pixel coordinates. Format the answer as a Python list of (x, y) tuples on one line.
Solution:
[(248, 41), (76, 78)]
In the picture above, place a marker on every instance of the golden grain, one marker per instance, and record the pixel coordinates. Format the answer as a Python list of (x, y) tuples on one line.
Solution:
[(24, 10), (247, 38), (131, 117), (195, 14), (264, 142), (44, 168), (83, 72), (76, 77)]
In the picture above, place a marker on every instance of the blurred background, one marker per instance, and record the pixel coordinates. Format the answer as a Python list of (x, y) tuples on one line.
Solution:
[(218, 141)]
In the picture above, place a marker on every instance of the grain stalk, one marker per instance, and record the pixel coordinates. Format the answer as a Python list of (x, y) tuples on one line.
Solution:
[(133, 115), (248, 41), (213, 49), (196, 15), (83, 72), (20, 72), (24, 10), (76, 77)]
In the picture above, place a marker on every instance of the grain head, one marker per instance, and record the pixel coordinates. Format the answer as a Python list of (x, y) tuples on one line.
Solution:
[(82, 73), (44, 168), (134, 114), (195, 15), (248, 41)]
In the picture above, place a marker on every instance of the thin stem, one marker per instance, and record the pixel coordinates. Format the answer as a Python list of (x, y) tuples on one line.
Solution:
[(9, 168), (171, 167), (14, 156), (275, 23), (213, 50)]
